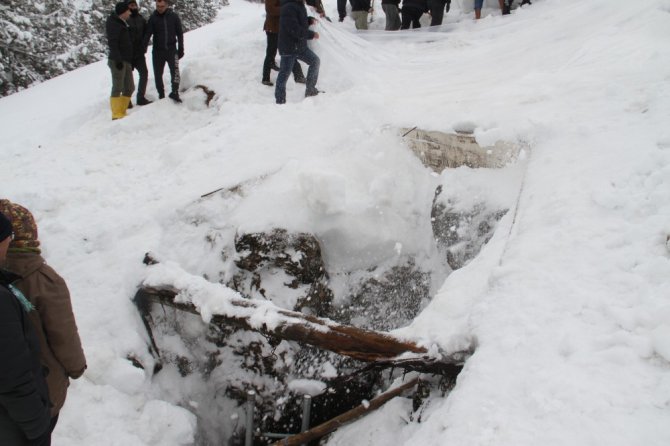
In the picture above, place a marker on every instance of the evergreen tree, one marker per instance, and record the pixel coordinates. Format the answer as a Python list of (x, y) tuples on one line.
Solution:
[(41, 39)]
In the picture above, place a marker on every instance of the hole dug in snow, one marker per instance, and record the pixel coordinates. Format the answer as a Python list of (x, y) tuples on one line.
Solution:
[(208, 367)]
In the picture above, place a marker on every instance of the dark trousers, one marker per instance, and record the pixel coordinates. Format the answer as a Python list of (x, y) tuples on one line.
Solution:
[(410, 16), (271, 53), (160, 58), (140, 64), (342, 9), (286, 66), (436, 11)]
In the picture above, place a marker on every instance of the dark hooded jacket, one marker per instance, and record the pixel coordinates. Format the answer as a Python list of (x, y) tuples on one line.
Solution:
[(24, 399), (61, 352), (294, 29), (118, 39), (137, 25), (166, 30)]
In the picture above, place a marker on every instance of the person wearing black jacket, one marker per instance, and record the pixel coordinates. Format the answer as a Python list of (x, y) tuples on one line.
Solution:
[(120, 59), (412, 10), (25, 418), (137, 24), (294, 33), (437, 9), (168, 46)]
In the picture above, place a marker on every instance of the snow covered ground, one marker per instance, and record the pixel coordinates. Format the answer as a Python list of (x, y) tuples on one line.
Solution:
[(568, 304)]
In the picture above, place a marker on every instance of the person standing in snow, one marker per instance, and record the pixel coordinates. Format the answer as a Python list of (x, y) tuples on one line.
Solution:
[(120, 59), (294, 33), (271, 28), (412, 10), (342, 9), (137, 25), (168, 46), (392, 13), (437, 10), (60, 346), (359, 12), (25, 418)]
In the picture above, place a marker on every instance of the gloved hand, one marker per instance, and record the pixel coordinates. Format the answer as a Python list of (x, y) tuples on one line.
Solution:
[(119, 65), (180, 53)]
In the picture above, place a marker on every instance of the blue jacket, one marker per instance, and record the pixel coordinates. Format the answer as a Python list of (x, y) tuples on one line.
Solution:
[(294, 29)]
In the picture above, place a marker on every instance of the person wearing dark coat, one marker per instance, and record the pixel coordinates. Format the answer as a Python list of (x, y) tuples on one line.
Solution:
[(437, 9), (412, 10), (61, 352), (137, 25), (168, 46), (25, 418), (359, 12), (271, 28), (391, 10), (120, 59), (294, 33), (342, 9)]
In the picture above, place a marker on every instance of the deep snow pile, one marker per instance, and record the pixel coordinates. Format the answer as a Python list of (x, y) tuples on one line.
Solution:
[(568, 303)]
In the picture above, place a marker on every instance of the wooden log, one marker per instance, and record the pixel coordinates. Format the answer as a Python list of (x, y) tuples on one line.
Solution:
[(382, 349), (347, 417)]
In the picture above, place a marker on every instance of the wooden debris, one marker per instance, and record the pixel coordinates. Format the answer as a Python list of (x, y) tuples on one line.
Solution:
[(381, 349), (347, 417)]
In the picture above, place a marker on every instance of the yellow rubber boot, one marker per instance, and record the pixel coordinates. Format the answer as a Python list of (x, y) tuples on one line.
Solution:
[(126, 103), (119, 105)]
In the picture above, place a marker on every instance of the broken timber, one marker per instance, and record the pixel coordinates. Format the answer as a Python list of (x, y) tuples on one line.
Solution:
[(382, 349), (347, 417)]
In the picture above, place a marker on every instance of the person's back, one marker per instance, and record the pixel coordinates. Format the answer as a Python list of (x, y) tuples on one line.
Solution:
[(53, 319), (25, 418), (294, 33)]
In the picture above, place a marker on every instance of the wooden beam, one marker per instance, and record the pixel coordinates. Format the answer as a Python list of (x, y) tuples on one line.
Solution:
[(347, 417), (382, 349)]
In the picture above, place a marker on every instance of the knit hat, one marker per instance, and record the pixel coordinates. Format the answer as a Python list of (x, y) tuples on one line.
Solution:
[(121, 7), (5, 227), (24, 227)]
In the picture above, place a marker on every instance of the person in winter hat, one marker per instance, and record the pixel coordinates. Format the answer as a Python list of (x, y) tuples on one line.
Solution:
[(168, 46), (46, 291), (120, 59), (25, 418), (137, 25)]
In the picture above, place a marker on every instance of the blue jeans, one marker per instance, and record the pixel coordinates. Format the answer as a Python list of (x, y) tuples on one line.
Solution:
[(286, 66)]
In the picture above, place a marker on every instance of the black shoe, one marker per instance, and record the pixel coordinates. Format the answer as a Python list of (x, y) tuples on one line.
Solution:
[(268, 83), (300, 80), (274, 67), (314, 92), (143, 101), (279, 101), (175, 97), (130, 105), (161, 95)]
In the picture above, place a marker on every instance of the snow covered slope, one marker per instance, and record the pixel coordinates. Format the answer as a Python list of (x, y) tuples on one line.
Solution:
[(568, 304)]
